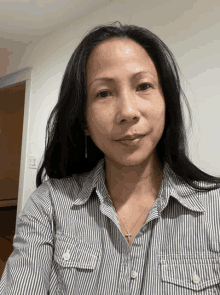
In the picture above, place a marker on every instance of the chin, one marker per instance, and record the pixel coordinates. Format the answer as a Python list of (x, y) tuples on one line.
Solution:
[(128, 161)]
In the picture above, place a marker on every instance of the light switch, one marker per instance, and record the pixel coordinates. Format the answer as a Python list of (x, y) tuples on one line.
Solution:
[(33, 162)]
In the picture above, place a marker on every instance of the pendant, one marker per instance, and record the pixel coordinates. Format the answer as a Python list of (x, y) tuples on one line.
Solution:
[(128, 236)]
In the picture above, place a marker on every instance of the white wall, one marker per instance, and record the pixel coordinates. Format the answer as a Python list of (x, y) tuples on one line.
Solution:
[(190, 28)]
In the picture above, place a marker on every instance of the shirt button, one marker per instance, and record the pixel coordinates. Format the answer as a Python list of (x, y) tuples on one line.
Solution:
[(66, 256), (196, 279), (133, 274)]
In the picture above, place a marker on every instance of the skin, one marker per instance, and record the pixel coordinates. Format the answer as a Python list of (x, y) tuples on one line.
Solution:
[(126, 106)]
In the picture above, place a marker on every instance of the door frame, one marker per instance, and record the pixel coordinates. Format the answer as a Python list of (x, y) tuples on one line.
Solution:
[(9, 80)]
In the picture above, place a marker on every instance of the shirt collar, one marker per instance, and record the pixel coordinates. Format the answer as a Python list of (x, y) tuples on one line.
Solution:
[(171, 186), (94, 179)]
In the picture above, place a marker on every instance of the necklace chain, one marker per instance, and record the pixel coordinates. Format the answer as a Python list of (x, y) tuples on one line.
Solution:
[(129, 235)]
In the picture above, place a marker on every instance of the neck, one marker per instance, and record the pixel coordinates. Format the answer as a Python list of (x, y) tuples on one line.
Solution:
[(130, 184)]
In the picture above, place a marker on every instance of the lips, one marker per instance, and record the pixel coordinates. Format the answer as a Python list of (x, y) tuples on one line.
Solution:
[(131, 141), (130, 137)]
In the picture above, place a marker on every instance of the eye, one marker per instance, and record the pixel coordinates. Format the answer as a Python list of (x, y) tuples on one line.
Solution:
[(106, 91), (146, 86)]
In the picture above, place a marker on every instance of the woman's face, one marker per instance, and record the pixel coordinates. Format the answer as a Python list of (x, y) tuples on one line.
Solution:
[(129, 102)]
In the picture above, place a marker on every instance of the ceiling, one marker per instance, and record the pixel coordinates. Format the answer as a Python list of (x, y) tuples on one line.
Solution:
[(27, 20)]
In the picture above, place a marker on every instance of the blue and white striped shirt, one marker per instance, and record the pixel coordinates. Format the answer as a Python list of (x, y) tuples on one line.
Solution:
[(68, 241)]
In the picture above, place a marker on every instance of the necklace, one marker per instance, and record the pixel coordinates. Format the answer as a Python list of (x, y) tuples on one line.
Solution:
[(129, 235)]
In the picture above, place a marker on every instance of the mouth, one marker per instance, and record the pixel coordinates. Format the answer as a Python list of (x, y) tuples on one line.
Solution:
[(131, 136), (131, 142)]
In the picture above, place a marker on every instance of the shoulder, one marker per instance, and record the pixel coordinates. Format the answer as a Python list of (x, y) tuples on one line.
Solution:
[(56, 195), (52, 193), (210, 199)]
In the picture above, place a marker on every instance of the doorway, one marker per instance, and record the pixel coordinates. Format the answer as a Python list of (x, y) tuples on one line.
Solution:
[(11, 125), (12, 101)]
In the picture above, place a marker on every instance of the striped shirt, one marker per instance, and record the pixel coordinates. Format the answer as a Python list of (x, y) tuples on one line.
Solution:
[(68, 241)]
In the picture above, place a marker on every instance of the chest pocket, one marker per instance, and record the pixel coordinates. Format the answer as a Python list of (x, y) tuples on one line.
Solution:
[(198, 273), (70, 252)]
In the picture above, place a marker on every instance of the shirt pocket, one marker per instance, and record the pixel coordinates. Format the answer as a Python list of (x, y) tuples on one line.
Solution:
[(71, 252), (191, 274), (75, 262)]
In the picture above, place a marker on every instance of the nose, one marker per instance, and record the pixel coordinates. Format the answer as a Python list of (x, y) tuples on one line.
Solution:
[(127, 109)]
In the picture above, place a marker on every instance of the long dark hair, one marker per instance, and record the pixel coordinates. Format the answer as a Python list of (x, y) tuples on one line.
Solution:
[(65, 138)]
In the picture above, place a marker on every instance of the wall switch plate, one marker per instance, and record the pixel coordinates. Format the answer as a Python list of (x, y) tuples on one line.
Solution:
[(33, 162)]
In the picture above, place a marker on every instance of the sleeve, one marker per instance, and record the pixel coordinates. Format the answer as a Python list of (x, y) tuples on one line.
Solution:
[(28, 268)]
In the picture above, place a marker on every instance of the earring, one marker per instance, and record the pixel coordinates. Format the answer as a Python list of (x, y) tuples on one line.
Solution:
[(86, 134)]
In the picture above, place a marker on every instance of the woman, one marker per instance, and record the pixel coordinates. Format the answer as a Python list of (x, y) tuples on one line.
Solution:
[(124, 210)]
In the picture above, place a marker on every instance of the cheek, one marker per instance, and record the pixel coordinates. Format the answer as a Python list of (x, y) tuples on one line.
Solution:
[(160, 107), (99, 122), (159, 117)]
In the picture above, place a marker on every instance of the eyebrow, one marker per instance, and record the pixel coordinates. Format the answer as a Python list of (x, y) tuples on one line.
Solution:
[(108, 79)]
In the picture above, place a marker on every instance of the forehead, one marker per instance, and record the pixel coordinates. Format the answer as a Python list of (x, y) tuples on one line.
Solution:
[(118, 47), (118, 53)]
